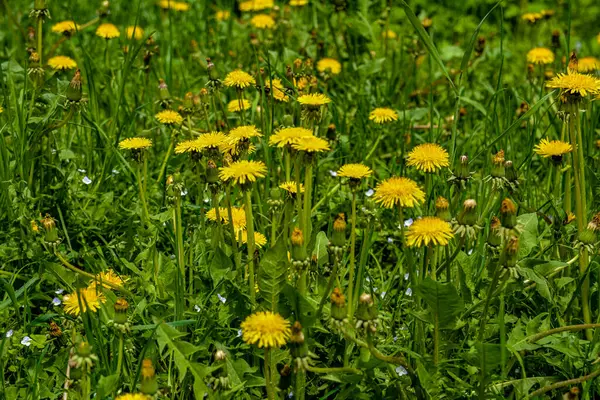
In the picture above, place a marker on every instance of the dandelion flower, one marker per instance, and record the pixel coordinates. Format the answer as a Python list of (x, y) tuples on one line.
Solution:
[(428, 157), (311, 144), (588, 64), (279, 90), (211, 141), (389, 34), (398, 191), (575, 84), (382, 115), (555, 149), (133, 396), (234, 105), (222, 15), (174, 5), (243, 171), (1, 110), (242, 133), (239, 79), (262, 21), (532, 18), (314, 99), (108, 277), (169, 117), (237, 214), (91, 299), (330, 65), (135, 143), (108, 31), (354, 171), (62, 63), (256, 5), (287, 136), (291, 187), (65, 27), (134, 32), (265, 329), (188, 146), (429, 230), (298, 3), (540, 55), (259, 239)]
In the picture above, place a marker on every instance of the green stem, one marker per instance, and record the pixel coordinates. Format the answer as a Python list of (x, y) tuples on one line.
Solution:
[(486, 305), (250, 242), (307, 203), (334, 370), (40, 50), (217, 230), (177, 228), (145, 214), (268, 372), (352, 257), (120, 356), (234, 243), (163, 167)]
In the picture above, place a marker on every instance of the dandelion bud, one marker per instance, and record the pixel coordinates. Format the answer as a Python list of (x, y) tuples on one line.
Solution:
[(511, 172), (508, 258), (39, 4), (285, 377), (594, 224), (468, 215), (462, 169), (121, 306), (494, 236), (508, 214), (188, 101), (212, 172), (366, 310), (441, 209), (573, 62), (338, 305), (339, 231), (55, 330), (480, 46), (149, 384), (83, 349), (298, 250), (572, 394), (212, 71), (287, 120), (163, 91), (498, 165), (556, 39), (74, 90), (49, 225), (170, 180), (331, 132), (587, 236), (220, 355), (34, 226)]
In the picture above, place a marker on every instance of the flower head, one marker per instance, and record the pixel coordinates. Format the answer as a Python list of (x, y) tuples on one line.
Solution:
[(532, 18), (65, 27), (241, 133), (211, 141), (389, 34), (238, 215), (169, 117), (235, 106), (266, 329), (398, 191), (174, 5), (91, 299), (239, 79), (222, 15), (188, 146), (62, 63), (354, 171), (575, 84), (108, 31), (262, 21), (287, 136), (279, 90), (133, 396), (259, 239), (428, 157), (554, 148), (256, 5), (135, 143), (540, 55), (314, 99), (298, 3), (243, 171), (291, 187), (330, 65), (588, 64), (382, 115), (311, 144), (109, 277), (134, 32), (429, 230)]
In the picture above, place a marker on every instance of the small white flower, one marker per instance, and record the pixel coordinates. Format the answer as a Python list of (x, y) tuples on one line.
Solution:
[(332, 173), (9, 333), (383, 294), (184, 192), (400, 370), (239, 333), (408, 292), (59, 291), (26, 341), (115, 172), (290, 395), (374, 289), (83, 171), (368, 279), (369, 192), (86, 180), (395, 338), (406, 276), (408, 222), (470, 252), (56, 301), (197, 308), (390, 240), (221, 298)]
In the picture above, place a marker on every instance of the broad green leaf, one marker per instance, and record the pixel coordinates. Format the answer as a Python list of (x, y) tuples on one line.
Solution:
[(320, 251), (516, 339), (304, 308), (167, 337), (272, 272), (107, 385), (529, 234), (443, 299), (220, 266)]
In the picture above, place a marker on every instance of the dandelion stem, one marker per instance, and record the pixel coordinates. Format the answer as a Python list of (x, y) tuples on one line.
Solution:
[(268, 372), (163, 167), (39, 34), (250, 242), (120, 356), (140, 171), (352, 257), (234, 244)]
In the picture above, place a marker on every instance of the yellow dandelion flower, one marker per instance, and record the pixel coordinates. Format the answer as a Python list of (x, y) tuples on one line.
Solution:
[(256, 5), (135, 143), (298, 3), (235, 106), (279, 90), (429, 230), (239, 79), (134, 32), (354, 171), (243, 171), (222, 15), (109, 277), (169, 117), (588, 64), (382, 115), (237, 214), (242, 133), (291, 187), (287, 136), (330, 65), (554, 148), (598, 38), (302, 82), (532, 18), (62, 63), (314, 99), (540, 55), (575, 84), (398, 191), (188, 146), (389, 34), (265, 329), (133, 396), (259, 239), (174, 5), (91, 299), (108, 31), (262, 21), (428, 157), (311, 144), (211, 141), (1, 110), (65, 27)]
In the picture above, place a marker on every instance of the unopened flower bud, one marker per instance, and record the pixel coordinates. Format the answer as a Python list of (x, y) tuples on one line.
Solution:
[(163, 90), (498, 165), (339, 231), (587, 236), (212, 172), (508, 258), (121, 306), (285, 377), (220, 355), (212, 71), (74, 90), (287, 120), (511, 172), (366, 310), (494, 236), (298, 347), (508, 214), (49, 225), (149, 384), (298, 250), (468, 215), (338, 305), (441, 209)]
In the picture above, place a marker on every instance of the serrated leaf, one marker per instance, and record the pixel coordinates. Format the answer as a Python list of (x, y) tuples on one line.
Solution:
[(529, 234), (443, 299), (220, 265), (167, 337), (272, 270)]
